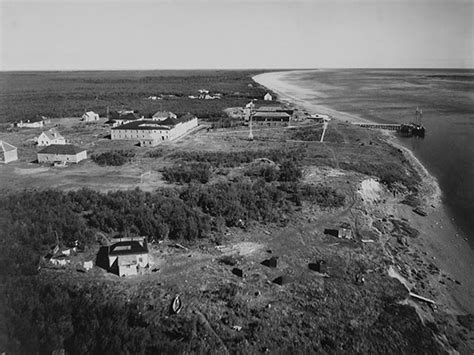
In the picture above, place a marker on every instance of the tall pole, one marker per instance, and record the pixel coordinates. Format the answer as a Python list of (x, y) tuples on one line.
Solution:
[(250, 106)]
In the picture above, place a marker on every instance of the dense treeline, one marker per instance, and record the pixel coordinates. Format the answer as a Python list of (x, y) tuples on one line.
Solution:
[(113, 158), (66, 94), (32, 221), (53, 314)]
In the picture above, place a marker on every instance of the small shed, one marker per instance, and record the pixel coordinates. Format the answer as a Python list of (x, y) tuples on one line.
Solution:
[(268, 97), (8, 153), (90, 116)]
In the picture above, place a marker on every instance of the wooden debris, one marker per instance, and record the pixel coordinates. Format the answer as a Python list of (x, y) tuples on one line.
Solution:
[(421, 298)]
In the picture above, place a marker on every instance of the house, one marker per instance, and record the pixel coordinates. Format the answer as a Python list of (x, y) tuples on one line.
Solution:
[(35, 122), (90, 116), (268, 97), (66, 153), (8, 153), (127, 256), (151, 132), (270, 119), (163, 115), (49, 137)]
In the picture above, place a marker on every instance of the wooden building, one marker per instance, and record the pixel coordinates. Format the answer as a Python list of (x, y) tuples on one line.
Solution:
[(90, 116), (63, 153), (49, 137), (271, 119), (127, 256), (8, 153), (151, 132)]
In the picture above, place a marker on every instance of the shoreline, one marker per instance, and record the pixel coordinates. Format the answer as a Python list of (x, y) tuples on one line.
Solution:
[(439, 238)]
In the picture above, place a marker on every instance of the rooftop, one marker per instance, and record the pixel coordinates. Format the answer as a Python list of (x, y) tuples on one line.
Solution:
[(6, 147), (65, 149), (129, 247)]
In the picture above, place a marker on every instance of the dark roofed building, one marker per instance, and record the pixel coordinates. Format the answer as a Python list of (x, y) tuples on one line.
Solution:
[(289, 111), (271, 118), (66, 153), (128, 255)]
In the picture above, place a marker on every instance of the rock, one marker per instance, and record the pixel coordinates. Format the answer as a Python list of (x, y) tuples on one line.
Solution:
[(272, 262), (279, 280), (319, 266), (237, 272)]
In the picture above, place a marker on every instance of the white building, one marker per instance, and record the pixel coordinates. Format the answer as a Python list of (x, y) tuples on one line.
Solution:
[(151, 132), (49, 137), (64, 153), (90, 116), (31, 123), (268, 97), (8, 153)]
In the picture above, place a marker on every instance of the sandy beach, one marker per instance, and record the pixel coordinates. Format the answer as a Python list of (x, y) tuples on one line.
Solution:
[(439, 242)]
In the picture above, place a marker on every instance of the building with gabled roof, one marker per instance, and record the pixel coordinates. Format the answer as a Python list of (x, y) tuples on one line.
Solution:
[(64, 153), (51, 136), (8, 153), (90, 116), (268, 97)]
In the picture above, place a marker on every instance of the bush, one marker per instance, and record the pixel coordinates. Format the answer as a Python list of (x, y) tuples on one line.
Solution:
[(115, 158), (324, 196), (186, 173), (290, 171)]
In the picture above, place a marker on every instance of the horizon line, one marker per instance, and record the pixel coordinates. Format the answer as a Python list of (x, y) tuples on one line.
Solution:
[(238, 69)]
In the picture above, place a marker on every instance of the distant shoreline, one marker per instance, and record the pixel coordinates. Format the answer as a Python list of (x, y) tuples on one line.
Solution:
[(440, 236)]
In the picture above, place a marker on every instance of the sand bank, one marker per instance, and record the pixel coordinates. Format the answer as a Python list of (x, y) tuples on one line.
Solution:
[(439, 241)]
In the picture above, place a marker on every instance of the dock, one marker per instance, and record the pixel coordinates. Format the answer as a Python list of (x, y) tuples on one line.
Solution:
[(387, 126), (409, 130)]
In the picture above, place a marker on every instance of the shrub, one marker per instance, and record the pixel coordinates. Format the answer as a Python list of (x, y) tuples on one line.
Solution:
[(114, 158), (324, 196), (290, 171), (186, 173)]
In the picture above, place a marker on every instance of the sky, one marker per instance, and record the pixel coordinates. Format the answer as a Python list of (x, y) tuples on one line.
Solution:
[(231, 34)]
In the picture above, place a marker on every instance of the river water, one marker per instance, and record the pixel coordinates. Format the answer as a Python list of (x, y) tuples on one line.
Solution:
[(446, 98)]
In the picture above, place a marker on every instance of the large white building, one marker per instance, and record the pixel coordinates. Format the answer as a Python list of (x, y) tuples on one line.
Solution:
[(151, 132)]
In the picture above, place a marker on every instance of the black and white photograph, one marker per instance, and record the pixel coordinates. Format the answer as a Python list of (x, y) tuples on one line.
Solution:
[(236, 177)]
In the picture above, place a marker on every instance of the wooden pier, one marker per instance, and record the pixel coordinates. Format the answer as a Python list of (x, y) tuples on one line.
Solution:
[(387, 126)]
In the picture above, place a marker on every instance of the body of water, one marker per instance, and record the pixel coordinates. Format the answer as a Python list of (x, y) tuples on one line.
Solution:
[(446, 98)]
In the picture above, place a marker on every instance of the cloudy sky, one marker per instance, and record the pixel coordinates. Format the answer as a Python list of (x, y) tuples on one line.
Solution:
[(160, 34)]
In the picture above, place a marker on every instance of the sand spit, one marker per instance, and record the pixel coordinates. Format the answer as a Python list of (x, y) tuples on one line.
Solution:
[(439, 241)]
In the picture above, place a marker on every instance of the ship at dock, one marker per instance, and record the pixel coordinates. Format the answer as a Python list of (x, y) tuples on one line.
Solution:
[(413, 129)]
